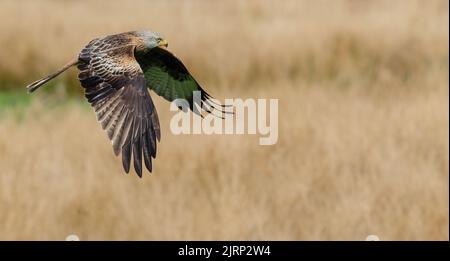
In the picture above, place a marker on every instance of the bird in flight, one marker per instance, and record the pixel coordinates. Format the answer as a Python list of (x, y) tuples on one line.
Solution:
[(115, 72)]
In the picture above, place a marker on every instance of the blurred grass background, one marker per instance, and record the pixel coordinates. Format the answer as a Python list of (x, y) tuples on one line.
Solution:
[(363, 124)]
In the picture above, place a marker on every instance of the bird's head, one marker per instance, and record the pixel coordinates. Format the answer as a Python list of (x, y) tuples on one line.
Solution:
[(152, 39)]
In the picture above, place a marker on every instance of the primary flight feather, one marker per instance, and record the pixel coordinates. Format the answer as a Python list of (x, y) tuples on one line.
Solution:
[(115, 72)]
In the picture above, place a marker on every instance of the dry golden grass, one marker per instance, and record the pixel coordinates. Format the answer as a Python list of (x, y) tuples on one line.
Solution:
[(363, 125), (232, 43)]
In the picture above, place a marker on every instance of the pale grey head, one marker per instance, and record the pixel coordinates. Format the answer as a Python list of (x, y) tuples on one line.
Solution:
[(152, 39)]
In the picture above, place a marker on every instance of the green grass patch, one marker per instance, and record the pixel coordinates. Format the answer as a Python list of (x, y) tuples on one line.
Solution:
[(13, 99)]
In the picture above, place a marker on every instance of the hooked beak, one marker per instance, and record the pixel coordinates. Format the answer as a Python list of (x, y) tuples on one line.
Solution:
[(163, 42)]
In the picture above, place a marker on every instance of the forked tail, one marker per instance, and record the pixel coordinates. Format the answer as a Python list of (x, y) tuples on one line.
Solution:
[(35, 85)]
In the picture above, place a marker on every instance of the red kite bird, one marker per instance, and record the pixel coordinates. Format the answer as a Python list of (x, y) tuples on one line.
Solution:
[(115, 72)]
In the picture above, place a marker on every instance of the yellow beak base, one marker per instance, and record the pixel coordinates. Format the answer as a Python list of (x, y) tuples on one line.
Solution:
[(163, 42)]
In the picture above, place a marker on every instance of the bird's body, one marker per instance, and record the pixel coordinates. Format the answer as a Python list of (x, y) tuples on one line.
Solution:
[(115, 72)]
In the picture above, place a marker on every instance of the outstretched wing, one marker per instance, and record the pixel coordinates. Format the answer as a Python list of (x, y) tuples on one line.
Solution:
[(169, 78), (115, 87)]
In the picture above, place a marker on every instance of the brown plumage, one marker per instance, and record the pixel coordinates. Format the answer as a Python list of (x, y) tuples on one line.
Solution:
[(116, 87)]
